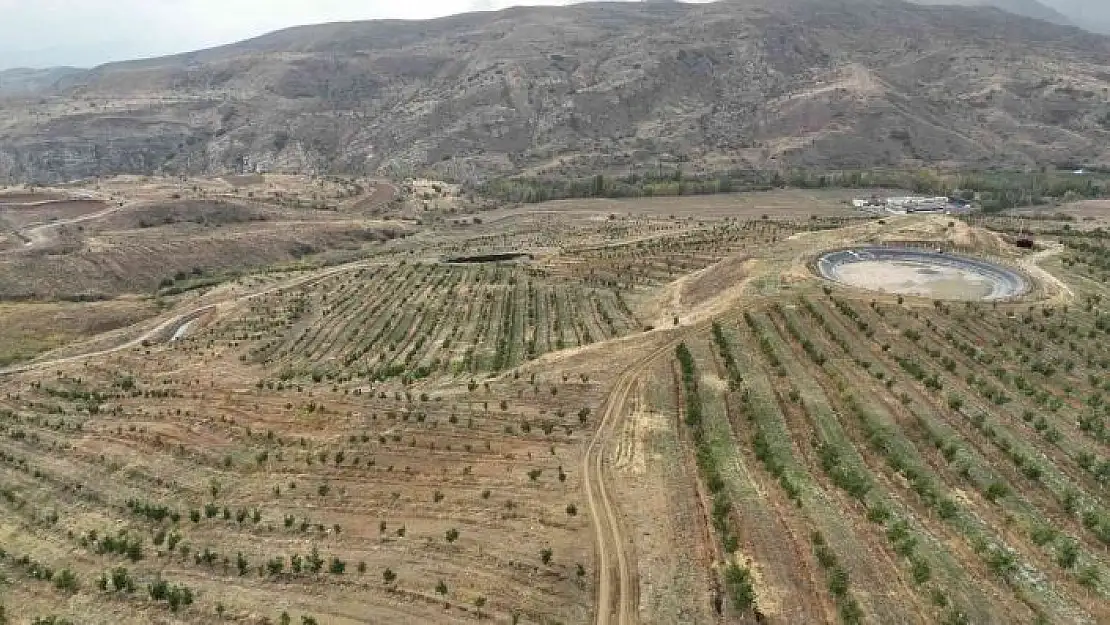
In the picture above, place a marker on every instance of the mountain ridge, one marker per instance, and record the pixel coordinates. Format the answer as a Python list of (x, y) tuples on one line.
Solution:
[(583, 88)]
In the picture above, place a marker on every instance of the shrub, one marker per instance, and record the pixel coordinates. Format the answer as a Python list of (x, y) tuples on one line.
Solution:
[(739, 582), (921, 571), (995, 490), (1067, 553), (66, 581)]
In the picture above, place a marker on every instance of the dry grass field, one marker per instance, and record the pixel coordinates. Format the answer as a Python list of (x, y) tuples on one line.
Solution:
[(140, 235), (662, 417), (28, 328)]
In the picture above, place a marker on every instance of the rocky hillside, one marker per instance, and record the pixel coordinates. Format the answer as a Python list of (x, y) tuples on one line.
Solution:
[(823, 83)]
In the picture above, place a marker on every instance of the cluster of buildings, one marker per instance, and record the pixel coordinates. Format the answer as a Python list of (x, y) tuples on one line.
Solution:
[(903, 205)]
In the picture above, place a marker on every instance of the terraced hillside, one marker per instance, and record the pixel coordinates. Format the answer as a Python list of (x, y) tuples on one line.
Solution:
[(421, 320), (900, 459), (661, 419), (948, 473)]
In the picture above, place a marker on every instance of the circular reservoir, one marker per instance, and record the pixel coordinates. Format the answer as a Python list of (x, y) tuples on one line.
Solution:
[(909, 271)]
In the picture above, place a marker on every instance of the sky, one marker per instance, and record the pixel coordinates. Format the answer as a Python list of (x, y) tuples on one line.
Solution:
[(86, 33)]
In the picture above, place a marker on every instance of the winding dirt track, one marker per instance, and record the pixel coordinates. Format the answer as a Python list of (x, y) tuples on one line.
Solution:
[(618, 583), (618, 596), (614, 571), (169, 325), (1032, 264), (38, 235)]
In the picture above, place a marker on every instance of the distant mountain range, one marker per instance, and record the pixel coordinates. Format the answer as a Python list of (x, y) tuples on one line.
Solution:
[(1026, 8), (586, 88), (21, 82), (1092, 15)]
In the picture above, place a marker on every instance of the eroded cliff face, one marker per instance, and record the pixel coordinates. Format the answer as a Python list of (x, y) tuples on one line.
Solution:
[(846, 83)]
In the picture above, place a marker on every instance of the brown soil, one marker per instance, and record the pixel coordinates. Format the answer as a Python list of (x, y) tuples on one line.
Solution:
[(19, 216), (453, 425)]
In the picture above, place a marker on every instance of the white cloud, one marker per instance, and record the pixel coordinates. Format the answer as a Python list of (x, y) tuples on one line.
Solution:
[(90, 32)]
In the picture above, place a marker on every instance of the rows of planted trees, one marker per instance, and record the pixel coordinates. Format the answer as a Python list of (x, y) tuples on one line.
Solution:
[(137, 487), (934, 461), (413, 321), (653, 260)]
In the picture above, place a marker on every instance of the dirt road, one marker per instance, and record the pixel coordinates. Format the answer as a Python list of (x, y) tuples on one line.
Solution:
[(618, 579), (615, 574), (1031, 264), (40, 234), (172, 324)]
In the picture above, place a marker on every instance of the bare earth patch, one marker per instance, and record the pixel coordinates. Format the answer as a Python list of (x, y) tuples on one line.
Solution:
[(909, 278)]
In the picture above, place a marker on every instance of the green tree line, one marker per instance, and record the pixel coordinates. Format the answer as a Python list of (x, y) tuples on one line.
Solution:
[(994, 190)]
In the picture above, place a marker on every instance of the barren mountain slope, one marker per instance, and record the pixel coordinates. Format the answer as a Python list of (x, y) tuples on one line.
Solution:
[(829, 83)]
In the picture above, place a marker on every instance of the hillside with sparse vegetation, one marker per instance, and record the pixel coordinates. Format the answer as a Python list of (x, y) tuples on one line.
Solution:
[(586, 88)]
